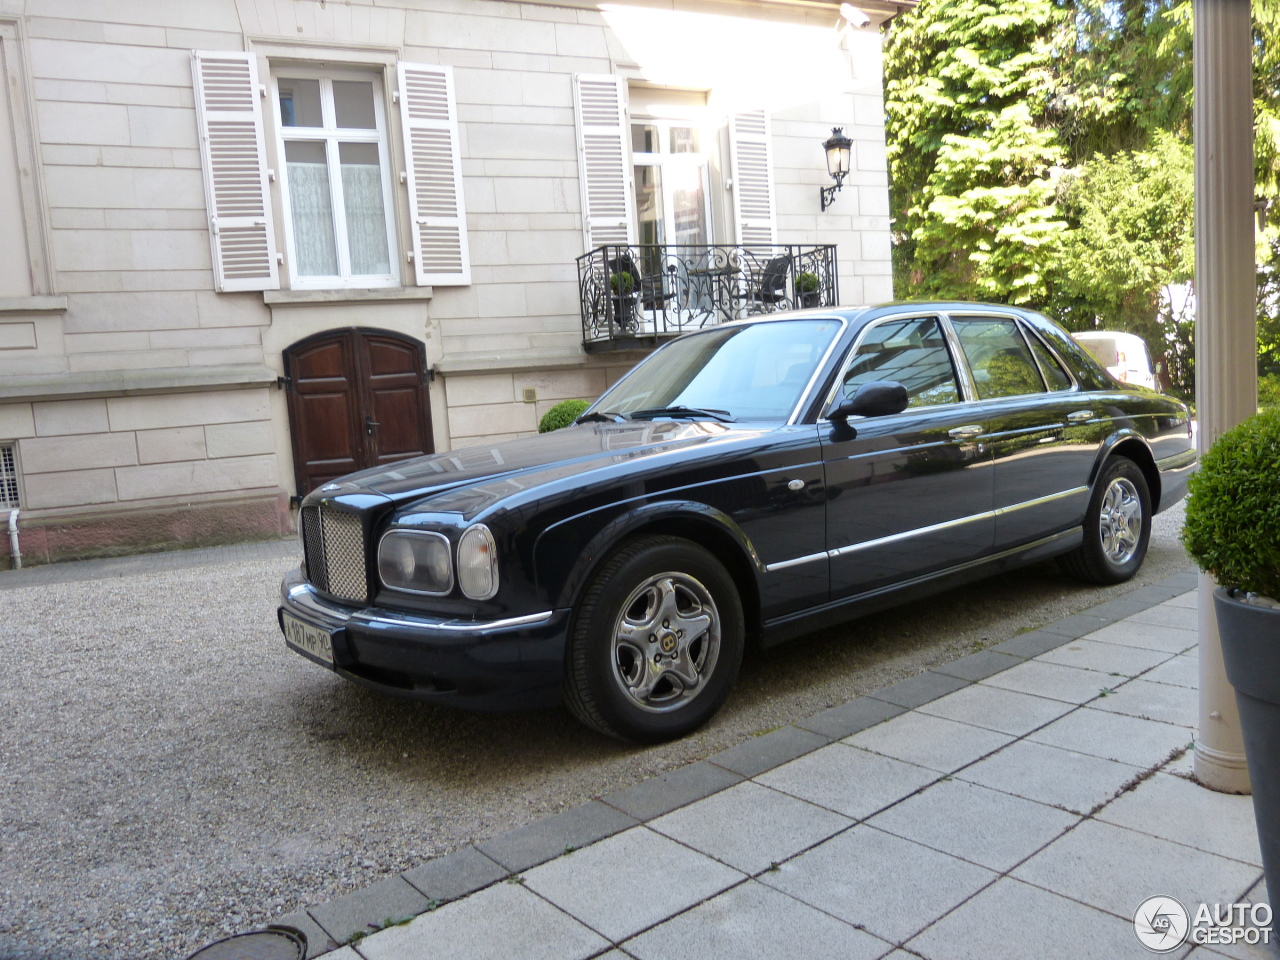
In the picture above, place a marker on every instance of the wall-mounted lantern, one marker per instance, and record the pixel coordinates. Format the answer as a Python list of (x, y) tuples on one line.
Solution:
[(838, 148)]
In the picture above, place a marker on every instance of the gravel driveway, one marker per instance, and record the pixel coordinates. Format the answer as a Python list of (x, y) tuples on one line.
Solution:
[(172, 774)]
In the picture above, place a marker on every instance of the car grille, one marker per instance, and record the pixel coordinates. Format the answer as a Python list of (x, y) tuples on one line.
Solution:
[(333, 542)]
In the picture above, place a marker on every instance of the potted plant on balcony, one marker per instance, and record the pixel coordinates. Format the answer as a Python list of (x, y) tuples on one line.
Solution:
[(623, 294), (809, 289), (1232, 532)]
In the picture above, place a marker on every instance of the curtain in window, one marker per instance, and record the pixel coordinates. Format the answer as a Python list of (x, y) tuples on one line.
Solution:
[(313, 220), (366, 220)]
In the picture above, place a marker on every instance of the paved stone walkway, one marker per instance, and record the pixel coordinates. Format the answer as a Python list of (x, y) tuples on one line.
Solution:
[(1019, 802)]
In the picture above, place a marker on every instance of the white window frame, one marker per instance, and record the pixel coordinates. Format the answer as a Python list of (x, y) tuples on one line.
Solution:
[(331, 135), (665, 160)]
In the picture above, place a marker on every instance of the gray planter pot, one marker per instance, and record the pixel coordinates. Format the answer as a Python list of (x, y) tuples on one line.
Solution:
[(1251, 653)]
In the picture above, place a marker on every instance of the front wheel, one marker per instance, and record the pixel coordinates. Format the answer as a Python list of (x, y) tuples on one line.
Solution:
[(1117, 527), (657, 641)]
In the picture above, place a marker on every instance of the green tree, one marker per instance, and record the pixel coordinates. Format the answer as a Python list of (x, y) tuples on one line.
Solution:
[(971, 149), (1130, 242)]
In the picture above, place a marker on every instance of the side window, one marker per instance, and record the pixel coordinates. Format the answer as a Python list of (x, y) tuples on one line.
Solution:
[(998, 356), (1054, 375), (912, 352)]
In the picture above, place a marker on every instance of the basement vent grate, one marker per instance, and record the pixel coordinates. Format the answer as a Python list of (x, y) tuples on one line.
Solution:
[(8, 477)]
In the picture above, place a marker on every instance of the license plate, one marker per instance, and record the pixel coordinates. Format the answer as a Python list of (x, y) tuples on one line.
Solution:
[(312, 641)]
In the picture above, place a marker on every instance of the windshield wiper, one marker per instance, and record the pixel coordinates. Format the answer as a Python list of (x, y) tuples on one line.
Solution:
[(603, 417), (692, 413)]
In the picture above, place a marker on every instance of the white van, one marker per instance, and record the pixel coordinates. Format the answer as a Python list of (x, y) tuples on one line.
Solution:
[(1123, 354)]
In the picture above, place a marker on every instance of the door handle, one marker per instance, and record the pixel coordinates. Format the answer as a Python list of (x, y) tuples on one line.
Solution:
[(967, 432), (1079, 416), (369, 424)]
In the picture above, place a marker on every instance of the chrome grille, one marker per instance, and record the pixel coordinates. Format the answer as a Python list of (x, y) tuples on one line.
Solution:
[(333, 541)]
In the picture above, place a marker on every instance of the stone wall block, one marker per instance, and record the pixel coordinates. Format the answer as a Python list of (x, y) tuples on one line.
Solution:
[(73, 488), (464, 390), (170, 445), (195, 476), (87, 451), (16, 421), (239, 439), (187, 409), (491, 419), (58, 418)]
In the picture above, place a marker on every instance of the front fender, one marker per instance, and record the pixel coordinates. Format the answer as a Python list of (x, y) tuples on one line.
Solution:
[(566, 553)]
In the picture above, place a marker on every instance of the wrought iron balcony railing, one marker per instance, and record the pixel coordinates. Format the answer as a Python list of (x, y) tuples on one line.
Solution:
[(634, 295)]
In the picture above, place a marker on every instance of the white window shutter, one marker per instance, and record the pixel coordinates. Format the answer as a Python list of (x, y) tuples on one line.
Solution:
[(600, 105), (429, 114), (751, 152), (229, 114)]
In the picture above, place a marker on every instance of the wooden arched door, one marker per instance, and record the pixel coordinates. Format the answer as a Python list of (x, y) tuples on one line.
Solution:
[(357, 398)]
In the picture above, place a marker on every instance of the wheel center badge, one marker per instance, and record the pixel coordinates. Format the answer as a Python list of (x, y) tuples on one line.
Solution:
[(668, 643)]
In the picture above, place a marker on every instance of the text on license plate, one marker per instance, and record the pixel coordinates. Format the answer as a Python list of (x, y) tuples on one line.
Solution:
[(313, 641)]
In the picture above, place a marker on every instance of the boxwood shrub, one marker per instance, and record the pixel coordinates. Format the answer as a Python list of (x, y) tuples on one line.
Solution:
[(1233, 514), (561, 415)]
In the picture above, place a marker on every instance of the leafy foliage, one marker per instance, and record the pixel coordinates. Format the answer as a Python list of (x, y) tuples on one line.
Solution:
[(1232, 528), (1130, 244), (1040, 154), (971, 148), (562, 415)]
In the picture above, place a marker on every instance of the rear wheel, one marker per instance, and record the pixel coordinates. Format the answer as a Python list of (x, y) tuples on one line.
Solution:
[(1117, 526), (657, 641)]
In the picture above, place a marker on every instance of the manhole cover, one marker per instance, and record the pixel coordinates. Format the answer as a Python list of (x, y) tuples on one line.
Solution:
[(259, 945)]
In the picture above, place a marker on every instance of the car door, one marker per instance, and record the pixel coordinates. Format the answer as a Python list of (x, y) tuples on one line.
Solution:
[(910, 493), (1042, 430)]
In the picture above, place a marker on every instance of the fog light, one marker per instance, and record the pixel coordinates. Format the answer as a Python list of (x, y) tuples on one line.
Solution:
[(478, 563)]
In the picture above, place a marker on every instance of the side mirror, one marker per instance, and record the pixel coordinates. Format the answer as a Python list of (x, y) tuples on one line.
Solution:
[(872, 400)]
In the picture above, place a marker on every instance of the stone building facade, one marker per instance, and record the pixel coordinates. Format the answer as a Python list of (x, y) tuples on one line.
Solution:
[(236, 236)]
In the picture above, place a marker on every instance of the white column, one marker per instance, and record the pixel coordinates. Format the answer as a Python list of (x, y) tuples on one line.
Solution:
[(1226, 338)]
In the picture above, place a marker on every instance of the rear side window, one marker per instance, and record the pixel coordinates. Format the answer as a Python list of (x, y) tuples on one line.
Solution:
[(998, 356), (912, 352), (1054, 375)]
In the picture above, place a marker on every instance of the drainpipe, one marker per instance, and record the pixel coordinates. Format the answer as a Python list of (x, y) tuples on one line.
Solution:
[(13, 539)]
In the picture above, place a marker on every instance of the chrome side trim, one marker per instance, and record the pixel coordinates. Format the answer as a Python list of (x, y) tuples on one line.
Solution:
[(920, 531), (783, 564), (907, 534), (1178, 460), (1074, 491)]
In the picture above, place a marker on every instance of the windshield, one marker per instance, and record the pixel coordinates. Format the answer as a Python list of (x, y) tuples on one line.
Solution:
[(750, 372)]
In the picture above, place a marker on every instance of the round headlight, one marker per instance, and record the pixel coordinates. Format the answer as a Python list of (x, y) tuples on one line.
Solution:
[(478, 563), (415, 560)]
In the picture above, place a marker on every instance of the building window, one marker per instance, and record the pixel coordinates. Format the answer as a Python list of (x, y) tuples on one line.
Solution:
[(669, 148), (671, 182), (339, 227), (8, 477)]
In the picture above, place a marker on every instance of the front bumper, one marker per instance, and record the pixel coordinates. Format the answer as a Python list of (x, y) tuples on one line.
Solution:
[(514, 663)]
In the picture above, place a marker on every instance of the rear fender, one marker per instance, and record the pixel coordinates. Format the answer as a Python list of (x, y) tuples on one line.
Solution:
[(1128, 442)]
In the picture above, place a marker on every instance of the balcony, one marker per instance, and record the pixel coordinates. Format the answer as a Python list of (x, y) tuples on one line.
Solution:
[(634, 296)]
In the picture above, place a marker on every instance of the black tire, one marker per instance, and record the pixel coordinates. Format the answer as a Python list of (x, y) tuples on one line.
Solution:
[(676, 602), (1113, 551)]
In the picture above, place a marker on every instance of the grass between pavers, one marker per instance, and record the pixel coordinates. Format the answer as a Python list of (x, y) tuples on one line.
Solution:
[(1145, 597)]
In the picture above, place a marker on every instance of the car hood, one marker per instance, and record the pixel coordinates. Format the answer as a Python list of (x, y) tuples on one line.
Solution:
[(572, 450)]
